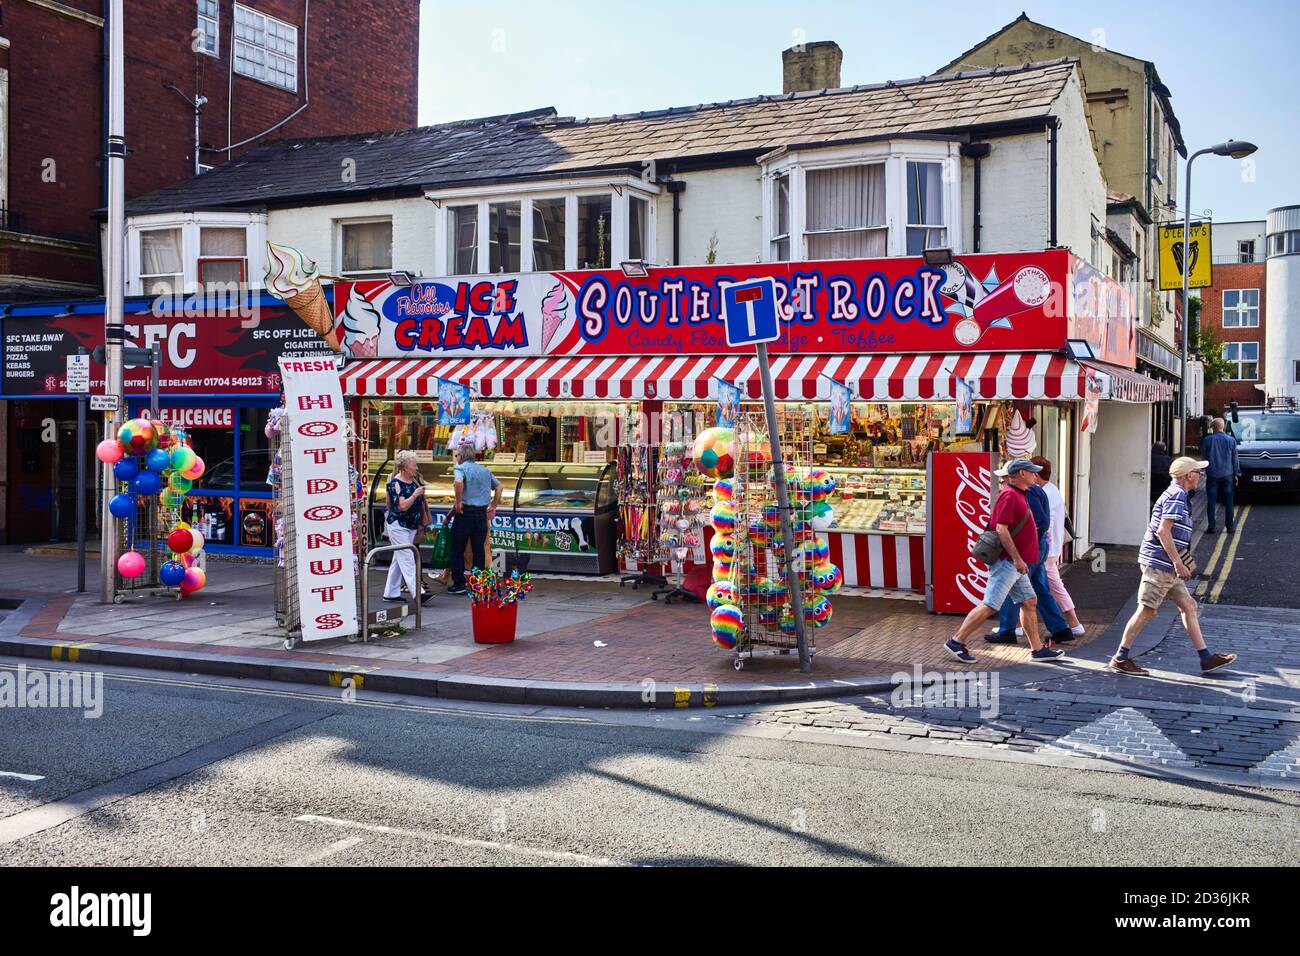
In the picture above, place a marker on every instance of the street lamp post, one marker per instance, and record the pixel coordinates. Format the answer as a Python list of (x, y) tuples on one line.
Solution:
[(1237, 149)]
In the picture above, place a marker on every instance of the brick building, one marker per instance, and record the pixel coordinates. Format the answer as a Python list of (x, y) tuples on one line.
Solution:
[(1235, 307), (256, 70)]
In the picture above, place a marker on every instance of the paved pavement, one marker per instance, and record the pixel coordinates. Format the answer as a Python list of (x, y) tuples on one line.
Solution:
[(181, 770)]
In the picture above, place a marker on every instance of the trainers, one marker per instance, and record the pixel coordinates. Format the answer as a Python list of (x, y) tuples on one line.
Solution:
[(1063, 636), (1211, 530), (1046, 653), (1216, 661), (394, 597), (1078, 631), (958, 650), (426, 597), (457, 589), (1128, 666), (1001, 637)]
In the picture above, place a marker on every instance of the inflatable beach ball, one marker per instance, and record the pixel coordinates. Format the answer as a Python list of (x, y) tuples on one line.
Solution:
[(137, 437), (714, 452)]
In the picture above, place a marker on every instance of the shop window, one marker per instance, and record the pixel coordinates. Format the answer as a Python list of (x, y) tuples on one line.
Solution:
[(266, 48), (1240, 308), (161, 272), (255, 451), (548, 235), (367, 248), (503, 237), (216, 446), (464, 241), (925, 214), (595, 234), (208, 33), (638, 212), (1244, 359), (223, 258), (846, 212), (780, 251)]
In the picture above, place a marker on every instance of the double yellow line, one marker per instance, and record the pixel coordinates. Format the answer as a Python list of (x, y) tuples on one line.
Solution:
[(1212, 583)]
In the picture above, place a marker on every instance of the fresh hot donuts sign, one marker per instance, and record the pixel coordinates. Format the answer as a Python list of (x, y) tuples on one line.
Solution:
[(998, 303)]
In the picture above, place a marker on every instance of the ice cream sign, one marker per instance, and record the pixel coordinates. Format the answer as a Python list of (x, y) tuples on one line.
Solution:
[(996, 303)]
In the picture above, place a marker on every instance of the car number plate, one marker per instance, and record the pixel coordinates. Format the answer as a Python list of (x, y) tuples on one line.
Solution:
[(1265, 477)]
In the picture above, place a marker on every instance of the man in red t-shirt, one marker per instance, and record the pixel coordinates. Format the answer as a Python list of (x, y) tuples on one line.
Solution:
[(1009, 574)]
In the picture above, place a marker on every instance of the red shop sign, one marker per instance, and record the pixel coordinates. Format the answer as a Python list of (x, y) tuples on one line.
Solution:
[(199, 417)]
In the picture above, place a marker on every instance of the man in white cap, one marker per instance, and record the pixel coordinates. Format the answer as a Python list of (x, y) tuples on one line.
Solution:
[(1164, 557), (1009, 575)]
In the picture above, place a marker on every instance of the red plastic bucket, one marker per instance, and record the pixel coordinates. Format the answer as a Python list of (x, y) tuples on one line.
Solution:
[(494, 625)]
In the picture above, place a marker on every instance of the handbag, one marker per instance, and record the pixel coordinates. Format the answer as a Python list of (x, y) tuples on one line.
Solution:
[(988, 546)]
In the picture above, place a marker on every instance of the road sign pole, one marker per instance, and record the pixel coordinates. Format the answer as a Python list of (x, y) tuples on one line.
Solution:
[(81, 489), (783, 504), (114, 278)]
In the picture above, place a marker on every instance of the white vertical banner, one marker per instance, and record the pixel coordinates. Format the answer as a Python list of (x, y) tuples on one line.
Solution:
[(317, 429)]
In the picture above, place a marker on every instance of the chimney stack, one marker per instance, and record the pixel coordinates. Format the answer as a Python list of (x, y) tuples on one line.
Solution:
[(811, 66)]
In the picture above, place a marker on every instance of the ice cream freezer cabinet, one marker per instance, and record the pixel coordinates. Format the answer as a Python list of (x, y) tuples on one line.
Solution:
[(559, 515)]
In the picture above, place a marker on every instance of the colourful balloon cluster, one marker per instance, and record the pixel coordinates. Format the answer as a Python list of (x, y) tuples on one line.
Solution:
[(151, 458)]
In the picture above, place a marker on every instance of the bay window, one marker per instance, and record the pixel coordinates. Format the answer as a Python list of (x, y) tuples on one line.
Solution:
[(223, 257), (548, 234), (637, 223), (503, 237), (463, 246), (889, 198), (595, 231), (181, 254)]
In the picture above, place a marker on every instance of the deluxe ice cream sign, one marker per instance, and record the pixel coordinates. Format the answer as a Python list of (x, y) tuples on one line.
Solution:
[(998, 303)]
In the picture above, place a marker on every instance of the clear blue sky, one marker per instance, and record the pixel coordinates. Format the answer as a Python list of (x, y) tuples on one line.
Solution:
[(1229, 66)]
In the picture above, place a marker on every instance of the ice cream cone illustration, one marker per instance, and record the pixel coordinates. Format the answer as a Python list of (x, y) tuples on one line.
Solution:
[(295, 279), (554, 305), (360, 328), (1021, 441)]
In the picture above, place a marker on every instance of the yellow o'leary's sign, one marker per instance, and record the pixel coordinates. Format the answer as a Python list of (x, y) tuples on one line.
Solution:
[(1193, 256)]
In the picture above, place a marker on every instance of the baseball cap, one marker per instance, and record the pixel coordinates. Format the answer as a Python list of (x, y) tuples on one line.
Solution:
[(1183, 466), (1015, 465)]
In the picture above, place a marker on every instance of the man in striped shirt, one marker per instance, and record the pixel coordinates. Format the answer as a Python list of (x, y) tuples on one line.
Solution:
[(1166, 549)]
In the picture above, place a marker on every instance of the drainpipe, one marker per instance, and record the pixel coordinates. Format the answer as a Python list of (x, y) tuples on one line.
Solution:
[(1053, 126), (976, 151), (676, 187)]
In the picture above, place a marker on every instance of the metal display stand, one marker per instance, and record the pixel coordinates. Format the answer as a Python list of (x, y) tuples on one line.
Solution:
[(638, 466), (681, 497), (763, 570)]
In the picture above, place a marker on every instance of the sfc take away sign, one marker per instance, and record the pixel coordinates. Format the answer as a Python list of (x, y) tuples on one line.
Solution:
[(317, 461)]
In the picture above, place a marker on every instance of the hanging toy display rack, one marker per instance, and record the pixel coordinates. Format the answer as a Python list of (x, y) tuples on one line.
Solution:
[(681, 501), (638, 527), (757, 572)]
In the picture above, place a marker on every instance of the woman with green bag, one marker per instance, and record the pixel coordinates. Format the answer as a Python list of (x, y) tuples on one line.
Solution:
[(407, 512)]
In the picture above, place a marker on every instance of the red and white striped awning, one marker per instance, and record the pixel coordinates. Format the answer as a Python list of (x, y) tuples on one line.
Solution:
[(1125, 385), (1028, 375)]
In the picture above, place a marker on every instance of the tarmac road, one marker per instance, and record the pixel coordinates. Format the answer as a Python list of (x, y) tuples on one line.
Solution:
[(1259, 565), (189, 771)]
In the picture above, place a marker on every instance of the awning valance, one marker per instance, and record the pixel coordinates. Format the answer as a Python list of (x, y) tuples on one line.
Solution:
[(1028, 375), (1125, 385)]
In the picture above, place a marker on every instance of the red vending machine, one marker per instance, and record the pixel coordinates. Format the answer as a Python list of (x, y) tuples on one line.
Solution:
[(961, 502)]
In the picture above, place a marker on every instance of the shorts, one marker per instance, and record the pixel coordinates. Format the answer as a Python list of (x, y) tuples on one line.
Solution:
[(1005, 580), (1157, 585)]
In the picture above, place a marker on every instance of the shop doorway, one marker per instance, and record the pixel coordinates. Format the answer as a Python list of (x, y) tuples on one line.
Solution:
[(41, 497), (1121, 464)]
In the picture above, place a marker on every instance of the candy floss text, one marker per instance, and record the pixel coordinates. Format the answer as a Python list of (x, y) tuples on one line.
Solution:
[(321, 506)]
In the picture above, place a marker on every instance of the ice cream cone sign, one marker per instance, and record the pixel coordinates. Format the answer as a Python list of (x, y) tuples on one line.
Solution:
[(294, 278)]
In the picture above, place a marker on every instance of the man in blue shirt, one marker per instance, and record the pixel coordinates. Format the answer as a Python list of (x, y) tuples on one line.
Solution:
[(1163, 556), (1220, 450), (1057, 625), (478, 495)]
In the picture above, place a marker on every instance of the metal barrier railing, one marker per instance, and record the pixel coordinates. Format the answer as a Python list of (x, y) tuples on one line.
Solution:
[(365, 585)]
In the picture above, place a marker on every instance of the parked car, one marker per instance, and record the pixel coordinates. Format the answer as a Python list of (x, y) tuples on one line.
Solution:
[(1268, 444), (253, 466)]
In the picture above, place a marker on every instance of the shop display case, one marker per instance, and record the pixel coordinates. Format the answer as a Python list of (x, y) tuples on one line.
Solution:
[(880, 500)]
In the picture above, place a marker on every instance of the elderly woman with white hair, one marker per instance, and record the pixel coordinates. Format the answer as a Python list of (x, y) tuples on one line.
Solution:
[(406, 508)]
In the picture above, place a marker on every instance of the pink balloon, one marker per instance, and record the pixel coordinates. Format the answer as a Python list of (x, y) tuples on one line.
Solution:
[(131, 564), (109, 451)]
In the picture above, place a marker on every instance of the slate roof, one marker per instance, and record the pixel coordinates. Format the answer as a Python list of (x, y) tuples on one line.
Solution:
[(540, 143)]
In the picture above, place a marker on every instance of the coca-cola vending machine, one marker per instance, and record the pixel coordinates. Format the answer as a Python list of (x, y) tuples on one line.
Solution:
[(961, 495)]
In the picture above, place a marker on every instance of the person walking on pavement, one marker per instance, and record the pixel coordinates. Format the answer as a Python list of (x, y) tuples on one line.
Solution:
[(1164, 555), (1220, 449), (1160, 462), (1009, 575), (1041, 510), (472, 514), (406, 507), (1056, 546)]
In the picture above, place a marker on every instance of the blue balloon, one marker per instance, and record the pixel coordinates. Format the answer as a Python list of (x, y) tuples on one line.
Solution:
[(171, 573), (157, 460), (126, 469), (121, 506), (146, 483)]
